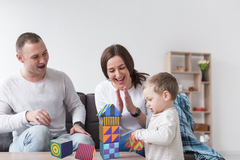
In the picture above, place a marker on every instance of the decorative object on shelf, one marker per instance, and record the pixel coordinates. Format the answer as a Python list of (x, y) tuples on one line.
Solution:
[(180, 68), (180, 87), (191, 89), (198, 109), (201, 127), (203, 65), (204, 139)]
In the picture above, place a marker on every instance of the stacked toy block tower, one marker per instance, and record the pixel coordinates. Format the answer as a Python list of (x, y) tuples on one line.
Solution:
[(109, 119)]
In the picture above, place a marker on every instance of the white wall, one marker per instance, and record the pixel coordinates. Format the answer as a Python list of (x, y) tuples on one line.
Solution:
[(76, 32)]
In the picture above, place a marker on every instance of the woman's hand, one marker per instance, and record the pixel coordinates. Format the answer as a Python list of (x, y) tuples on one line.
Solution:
[(119, 101), (128, 102)]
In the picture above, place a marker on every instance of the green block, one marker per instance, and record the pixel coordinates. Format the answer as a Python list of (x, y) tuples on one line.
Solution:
[(61, 147)]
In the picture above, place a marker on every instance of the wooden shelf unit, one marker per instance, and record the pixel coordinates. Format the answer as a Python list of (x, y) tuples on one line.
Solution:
[(187, 57)]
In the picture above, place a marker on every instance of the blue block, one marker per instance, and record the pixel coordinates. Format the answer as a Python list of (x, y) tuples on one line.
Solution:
[(109, 150), (61, 147)]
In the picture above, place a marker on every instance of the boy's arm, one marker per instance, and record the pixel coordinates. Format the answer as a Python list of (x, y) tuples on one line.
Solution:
[(161, 134)]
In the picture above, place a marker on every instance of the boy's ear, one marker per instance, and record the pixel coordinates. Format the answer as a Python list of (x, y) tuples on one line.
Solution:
[(19, 57), (166, 96)]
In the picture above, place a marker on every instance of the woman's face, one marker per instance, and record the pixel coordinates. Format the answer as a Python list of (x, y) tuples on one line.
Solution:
[(118, 73)]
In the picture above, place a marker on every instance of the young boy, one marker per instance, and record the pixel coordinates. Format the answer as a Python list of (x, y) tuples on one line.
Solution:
[(162, 137)]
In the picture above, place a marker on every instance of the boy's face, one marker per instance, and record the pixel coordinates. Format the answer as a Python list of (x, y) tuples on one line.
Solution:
[(156, 102)]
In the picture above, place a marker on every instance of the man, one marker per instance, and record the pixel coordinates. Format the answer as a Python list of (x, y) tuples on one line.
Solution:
[(34, 101)]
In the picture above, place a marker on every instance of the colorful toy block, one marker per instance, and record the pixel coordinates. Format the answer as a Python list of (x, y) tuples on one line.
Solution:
[(109, 150), (109, 110), (136, 145), (61, 147), (108, 134), (109, 121), (85, 152)]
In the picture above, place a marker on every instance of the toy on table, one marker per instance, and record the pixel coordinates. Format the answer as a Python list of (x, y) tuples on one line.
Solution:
[(85, 152), (136, 145), (109, 119), (61, 147)]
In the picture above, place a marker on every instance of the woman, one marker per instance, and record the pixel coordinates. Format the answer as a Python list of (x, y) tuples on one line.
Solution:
[(123, 88)]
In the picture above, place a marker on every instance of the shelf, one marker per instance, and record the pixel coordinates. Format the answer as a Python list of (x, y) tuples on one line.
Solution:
[(206, 112), (189, 92), (191, 76), (207, 82), (207, 132), (185, 72)]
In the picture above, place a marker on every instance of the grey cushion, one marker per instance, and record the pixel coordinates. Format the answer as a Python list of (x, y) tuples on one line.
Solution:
[(92, 125), (5, 141)]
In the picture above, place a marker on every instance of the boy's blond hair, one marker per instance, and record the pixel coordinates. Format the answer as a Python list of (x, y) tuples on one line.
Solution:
[(161, 82)]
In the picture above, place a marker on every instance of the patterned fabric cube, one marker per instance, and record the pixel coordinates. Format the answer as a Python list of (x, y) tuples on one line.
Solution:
[(85, 152), (109, 110), (109, 150), (61, 147), (108, 134), (136, 145), (109, 121)]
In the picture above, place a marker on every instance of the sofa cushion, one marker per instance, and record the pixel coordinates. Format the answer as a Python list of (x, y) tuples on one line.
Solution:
[(5, 141), (92, 125)]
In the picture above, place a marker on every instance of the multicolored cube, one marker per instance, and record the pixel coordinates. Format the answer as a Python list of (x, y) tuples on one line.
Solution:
[(85, 152), (109, 110), (109, 120), (109, 134), (109, 150), (61, 147), (136, 145)]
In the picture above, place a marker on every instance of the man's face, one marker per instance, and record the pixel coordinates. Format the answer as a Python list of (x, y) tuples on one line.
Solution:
[(35, 58)]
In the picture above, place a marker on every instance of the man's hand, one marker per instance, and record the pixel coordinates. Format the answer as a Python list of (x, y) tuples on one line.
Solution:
[(119, 101), (38, 115), (78, 129)]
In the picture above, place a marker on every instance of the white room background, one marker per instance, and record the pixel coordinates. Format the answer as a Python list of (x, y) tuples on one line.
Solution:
[(76, 32)]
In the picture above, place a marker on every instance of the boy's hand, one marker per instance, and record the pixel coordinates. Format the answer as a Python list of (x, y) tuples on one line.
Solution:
[(128, 145), (133, 139), (133, 136)]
